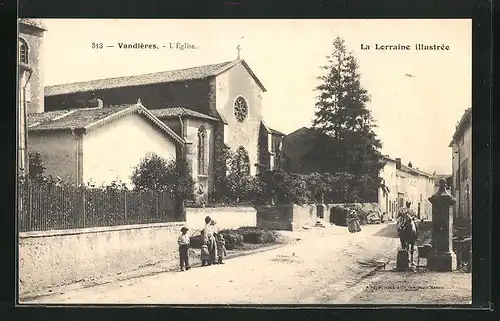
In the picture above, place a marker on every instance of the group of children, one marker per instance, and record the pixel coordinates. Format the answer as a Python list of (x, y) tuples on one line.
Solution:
[(213, 246)]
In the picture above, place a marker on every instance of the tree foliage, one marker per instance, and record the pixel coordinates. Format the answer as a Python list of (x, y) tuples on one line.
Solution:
[(155, 173), (348, 145), (36, 167)]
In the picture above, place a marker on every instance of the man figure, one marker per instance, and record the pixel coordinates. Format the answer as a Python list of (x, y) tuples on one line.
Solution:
[(407, 211)]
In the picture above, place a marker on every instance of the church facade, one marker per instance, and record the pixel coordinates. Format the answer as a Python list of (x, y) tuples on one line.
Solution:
[(210, 107)]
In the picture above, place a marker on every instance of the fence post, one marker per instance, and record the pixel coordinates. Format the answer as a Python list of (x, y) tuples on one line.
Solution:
[(82, 206), (125, 203)]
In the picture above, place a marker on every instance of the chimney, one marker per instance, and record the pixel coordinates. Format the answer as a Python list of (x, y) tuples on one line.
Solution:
[(95, 103), (410, 165), (398, 163)]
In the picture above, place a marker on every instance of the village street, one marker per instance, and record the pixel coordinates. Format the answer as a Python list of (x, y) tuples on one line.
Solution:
[(318, 269)]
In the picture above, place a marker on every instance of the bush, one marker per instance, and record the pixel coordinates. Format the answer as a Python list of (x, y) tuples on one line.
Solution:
[(233, 239), (338, 215), (157, 174), (36, 167), (195, 241), (282, 188), (255, 235)]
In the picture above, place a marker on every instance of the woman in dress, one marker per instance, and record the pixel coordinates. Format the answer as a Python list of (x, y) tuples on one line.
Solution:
[(353, 222), (221, 243), (210, 242)]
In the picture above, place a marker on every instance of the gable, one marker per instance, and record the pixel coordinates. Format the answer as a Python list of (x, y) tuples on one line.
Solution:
[(241, 65)]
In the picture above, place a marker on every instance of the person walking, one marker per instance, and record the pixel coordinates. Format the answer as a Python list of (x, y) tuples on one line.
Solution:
[(184, 242)]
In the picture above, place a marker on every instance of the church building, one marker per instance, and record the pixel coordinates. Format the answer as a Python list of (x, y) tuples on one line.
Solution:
[(210, 107), (30, 81)]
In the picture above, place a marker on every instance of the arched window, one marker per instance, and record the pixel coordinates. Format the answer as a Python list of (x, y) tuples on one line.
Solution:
[(242, 161), (23, 51), (202, 134), (240, 109)]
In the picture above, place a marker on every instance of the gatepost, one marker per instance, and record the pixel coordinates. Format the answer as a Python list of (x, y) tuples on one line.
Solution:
[(442, 258)]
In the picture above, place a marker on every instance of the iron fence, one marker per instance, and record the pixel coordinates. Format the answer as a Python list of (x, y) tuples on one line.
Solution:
[(46, 207)]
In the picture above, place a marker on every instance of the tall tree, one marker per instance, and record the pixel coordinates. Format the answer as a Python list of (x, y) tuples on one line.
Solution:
[(349, 143)]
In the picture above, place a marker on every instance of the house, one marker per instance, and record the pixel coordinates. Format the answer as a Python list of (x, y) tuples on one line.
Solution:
[(271, 147), (30, 81), (100, 144), (297, 147), (224, 100), (400, 183), (461, 145)]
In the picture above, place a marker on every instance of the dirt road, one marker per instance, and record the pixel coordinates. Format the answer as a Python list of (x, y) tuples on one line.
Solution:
[(316, 270)]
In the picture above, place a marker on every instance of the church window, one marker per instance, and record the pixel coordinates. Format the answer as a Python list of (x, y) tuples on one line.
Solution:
[(240, 109), (202, 133), (23, 51)]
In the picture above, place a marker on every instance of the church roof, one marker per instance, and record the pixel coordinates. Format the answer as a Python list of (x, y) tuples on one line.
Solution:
[(90, 118), (179, 111), (179, 75)]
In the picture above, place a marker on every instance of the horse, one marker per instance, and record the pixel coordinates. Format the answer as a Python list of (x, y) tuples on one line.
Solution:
[(408, 233)]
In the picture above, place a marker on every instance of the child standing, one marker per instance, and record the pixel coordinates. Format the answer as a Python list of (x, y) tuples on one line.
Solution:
[(221, 247), (183, 242), (220, 242)]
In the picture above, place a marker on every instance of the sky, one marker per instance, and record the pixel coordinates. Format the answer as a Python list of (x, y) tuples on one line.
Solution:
[(415, 116)]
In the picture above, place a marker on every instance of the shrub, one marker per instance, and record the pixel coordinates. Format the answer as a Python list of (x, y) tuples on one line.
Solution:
[(195, 241), (338, 215), (283, 188), (255, 235), (36, 167), (155, 173), (233, 239)]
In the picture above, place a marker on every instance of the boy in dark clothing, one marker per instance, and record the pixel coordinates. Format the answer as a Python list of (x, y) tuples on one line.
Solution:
[(183, 242)]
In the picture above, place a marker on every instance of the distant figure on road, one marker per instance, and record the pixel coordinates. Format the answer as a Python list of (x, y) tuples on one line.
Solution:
[(353, 222)]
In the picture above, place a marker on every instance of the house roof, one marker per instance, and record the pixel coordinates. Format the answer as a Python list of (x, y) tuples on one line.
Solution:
[(416, 171), (465, 121), (180, 111), (179, 75), (37, 23), (90, 118), (272, 131), (408, 169)]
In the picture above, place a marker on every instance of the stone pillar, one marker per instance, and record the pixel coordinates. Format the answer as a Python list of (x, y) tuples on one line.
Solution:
[(442, 258), (320, 211)]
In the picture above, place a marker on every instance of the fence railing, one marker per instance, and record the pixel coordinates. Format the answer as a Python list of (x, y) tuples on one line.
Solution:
[(48, 207)]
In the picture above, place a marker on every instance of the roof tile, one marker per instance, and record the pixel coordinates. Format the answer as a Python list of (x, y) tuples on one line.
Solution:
[(179, 111), (75, 118), (199, 72)]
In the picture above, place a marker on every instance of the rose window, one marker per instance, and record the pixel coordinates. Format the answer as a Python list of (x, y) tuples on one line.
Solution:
[(240, 109)]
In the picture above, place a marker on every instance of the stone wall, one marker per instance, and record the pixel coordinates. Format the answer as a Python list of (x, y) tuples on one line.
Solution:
[(226, 217), (56, 258), (51, 259), (286, 216)]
